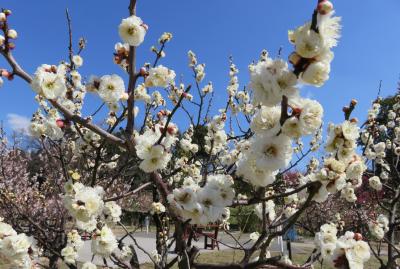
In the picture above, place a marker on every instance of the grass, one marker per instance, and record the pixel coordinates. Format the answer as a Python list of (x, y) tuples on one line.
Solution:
[(228, 256)]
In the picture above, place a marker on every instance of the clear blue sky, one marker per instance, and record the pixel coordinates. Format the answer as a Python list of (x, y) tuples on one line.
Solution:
[(214, 29)]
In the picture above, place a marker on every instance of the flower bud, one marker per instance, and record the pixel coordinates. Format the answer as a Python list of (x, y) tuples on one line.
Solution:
[(3, 17), (325, 7), (145, 26), (60, 123), (4, 73), (143, 72), (353, 102), (354, 120), (358, 237), (7, 12), (11, 45), (1, 40), (12, 34), (124, 96), (294, 58)]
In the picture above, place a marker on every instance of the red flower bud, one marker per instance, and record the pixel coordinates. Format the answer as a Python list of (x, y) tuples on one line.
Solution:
[(325, 7), (358, 237), (60, 123)]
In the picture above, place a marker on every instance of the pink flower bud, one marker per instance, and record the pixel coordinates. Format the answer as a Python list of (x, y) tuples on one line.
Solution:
[(145, 26), (5, 73), (60, 123), (143, 72), (325, 7)]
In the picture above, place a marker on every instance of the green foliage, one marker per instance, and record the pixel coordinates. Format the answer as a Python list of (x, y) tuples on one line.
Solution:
[(245, 219)]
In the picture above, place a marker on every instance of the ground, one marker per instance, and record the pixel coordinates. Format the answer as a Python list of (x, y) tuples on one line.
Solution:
[(300, 250)]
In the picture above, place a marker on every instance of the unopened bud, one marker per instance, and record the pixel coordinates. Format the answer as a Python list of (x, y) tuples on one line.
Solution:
[(145, 26), (3, 17), (345, 109), (143, 71), (11, 45), (354, 120), (1, 40), (294, 58), (124, 96), (12, 34), (60, 123), (325, 7), (358, 236), (353, 102), (7, 12), (4, 73)]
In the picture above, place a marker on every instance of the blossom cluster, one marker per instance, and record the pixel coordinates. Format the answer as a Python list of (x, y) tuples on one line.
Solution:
[(202, 205), (342, 170), (15, 248), (349, 250)]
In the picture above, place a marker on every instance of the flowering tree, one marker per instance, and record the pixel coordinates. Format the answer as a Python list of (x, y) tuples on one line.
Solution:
[(193, 172)]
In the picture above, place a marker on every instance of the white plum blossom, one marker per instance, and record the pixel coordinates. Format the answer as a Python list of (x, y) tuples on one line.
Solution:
[(111, 88), (270, 79), (272, 153), (49, 81), (112, 211), (104, 242), (84, 203), (160, 76), (375, 183), (132, 30)]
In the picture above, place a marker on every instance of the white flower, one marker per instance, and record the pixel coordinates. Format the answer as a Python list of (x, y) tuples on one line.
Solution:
[(270, 79), (356, 169), (350, 130), (49, 81), (254, 236), (376, 230), (272, 153), (6, 230), (310, 118), (291, 127), (308, 43), (77, 60), (269, 210), (316, 73), (15, 244), (69, 254), (160, 76), (111, 88), (157, 208), (375, 183), (266, 120), (132, 31), (104, 243), (359, 253), (156, 158), (112, 211), (85, 204)]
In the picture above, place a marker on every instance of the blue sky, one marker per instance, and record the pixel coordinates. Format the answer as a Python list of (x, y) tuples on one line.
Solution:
[(367, 52)]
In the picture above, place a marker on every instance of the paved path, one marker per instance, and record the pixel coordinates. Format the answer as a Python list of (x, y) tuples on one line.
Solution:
[(147, 242)]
